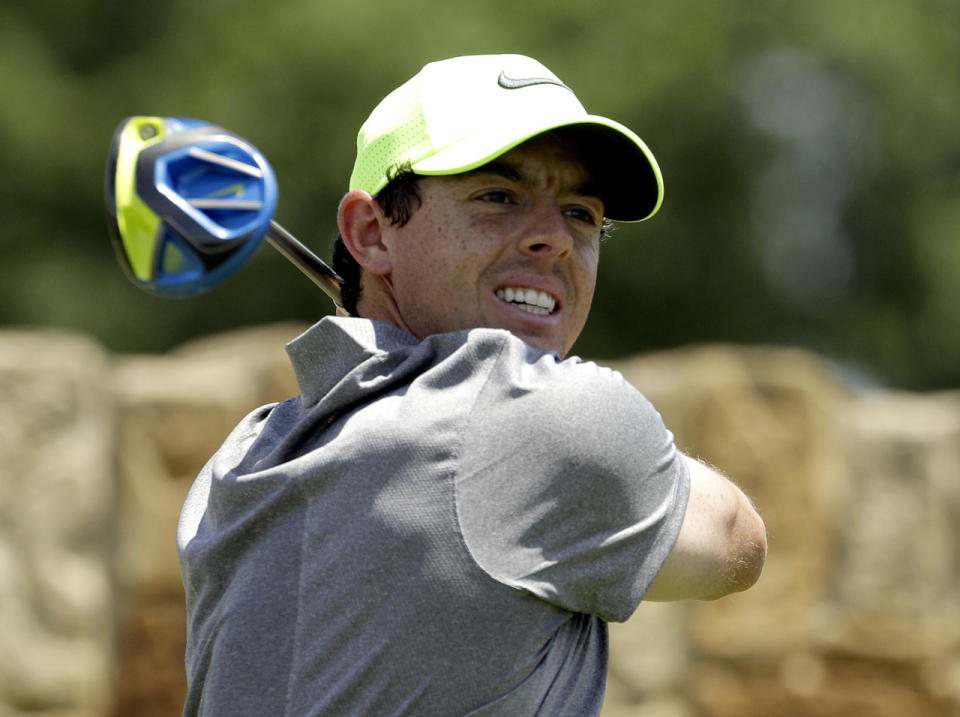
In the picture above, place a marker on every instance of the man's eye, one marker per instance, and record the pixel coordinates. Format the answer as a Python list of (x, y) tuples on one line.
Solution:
[(496, 196), (583, 215)]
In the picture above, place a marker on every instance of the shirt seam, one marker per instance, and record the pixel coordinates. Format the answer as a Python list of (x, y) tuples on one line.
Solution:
[(457, 471)]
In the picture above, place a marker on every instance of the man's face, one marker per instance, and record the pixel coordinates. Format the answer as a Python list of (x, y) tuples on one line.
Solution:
[(512, 245)]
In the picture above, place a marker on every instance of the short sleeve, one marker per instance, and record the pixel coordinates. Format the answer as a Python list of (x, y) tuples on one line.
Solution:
[(569, 486)]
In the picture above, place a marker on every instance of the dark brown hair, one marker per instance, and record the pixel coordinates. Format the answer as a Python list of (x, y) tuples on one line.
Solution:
[(397, 202)]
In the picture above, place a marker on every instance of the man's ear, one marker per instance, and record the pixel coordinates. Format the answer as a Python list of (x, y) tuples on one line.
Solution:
[(361, 222)]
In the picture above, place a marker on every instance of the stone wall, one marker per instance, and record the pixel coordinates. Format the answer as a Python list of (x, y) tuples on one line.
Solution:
[(57, 591), (857, 611)]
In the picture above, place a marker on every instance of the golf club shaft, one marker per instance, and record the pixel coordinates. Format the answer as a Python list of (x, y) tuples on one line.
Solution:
[(306, 261)]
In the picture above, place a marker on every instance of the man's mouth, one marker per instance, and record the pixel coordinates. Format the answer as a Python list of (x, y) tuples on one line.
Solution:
[(530, 300)]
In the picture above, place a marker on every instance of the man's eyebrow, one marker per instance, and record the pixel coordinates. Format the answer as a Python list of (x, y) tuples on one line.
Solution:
[(509, 171), (500, 169)]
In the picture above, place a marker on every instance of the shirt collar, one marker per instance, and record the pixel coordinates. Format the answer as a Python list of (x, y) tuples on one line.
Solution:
[(335, 345)]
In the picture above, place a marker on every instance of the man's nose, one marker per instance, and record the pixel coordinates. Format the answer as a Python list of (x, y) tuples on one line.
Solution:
[(547, 234)]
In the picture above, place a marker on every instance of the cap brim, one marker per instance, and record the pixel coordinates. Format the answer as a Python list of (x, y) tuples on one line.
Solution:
[(626, 171)]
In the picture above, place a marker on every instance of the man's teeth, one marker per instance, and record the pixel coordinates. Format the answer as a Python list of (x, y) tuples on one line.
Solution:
[(536, 302)]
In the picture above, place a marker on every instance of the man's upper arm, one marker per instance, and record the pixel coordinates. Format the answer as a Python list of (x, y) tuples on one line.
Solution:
[(721, 546)]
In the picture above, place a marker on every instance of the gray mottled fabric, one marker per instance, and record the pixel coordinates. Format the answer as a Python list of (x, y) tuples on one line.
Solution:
[(437, 527)]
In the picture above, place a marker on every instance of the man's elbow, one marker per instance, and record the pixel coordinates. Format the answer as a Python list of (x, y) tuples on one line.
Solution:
[(722, 544), (747, 557), (749, 563)]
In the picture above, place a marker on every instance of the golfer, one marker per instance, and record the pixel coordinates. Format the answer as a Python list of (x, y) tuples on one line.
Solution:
[(450, 512)]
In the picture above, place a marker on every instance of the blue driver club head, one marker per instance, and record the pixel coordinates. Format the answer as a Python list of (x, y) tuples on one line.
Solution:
[(187, 202)]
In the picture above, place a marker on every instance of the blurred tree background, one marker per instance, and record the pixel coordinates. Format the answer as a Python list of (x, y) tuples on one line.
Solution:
[(809, 148)]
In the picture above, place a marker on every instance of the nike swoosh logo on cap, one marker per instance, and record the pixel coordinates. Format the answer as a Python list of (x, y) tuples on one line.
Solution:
[(511, 83)]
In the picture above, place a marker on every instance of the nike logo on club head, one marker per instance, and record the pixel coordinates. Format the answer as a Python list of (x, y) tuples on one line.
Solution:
[(511, 83)]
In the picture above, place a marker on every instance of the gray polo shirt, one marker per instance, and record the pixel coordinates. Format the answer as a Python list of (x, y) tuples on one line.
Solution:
[(436, 527)]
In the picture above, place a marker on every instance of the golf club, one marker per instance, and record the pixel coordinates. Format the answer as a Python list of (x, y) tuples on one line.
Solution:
[(189, 202)]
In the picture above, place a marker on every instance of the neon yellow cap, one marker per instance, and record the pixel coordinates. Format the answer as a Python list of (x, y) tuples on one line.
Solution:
[(458, 114)]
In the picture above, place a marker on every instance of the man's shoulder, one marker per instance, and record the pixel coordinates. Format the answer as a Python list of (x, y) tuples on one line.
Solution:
[(519, 361), (523, 385)]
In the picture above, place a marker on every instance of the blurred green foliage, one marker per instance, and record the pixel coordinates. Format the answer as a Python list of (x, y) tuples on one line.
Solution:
[(810, 152)]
